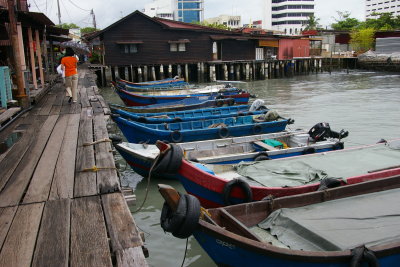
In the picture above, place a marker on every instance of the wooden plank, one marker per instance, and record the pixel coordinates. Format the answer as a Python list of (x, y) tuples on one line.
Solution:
[(75, 108), (39, 187), (85, 181), (6, 217), (89, 243), (120, 224), (59, 90), (41, 104), (45, 110), (97, 108), (131, 257), (20, 242), (265, 146), (84, 97), (13, 191), (9, 113), (55, 110), (52, 246), (63, 181), (103, 103), (107, 179)]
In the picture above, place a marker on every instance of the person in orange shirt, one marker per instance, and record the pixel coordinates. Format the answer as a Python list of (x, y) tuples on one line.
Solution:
[(69, 65)]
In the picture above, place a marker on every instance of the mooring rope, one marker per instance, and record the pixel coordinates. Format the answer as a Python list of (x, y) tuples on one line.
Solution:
[(96, 169), (97, 142), (184, 256)]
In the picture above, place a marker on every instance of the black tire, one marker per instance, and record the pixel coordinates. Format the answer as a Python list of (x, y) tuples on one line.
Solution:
[(219, 103), (263, 108), (176, 136), (240, 113), (223, 132), (170, 162), (191, 220), (261, 156), (328, 183), (257, 129), (231, 102), (177, 119), (309, 150), (142, 119), (241, 184), (171, 221), (338, 146)]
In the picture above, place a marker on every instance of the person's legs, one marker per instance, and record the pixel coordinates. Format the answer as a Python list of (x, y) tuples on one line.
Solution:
[(68, 85), (75, 87)]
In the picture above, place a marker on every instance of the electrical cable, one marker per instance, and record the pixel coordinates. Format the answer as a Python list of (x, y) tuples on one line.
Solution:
[(78, 6)]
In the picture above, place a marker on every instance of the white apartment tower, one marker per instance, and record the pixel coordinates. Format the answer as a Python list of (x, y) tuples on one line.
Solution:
[(381, 6), (287, 16), (160, 8)]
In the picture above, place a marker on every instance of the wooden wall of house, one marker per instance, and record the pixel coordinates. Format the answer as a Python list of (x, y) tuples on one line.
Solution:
[(156, 49)]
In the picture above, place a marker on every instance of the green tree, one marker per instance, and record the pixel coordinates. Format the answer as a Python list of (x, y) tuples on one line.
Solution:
[(384, 21), (362, 39), (312, 23), (345, 22), (88, 30), (212, 25), (68, 26)]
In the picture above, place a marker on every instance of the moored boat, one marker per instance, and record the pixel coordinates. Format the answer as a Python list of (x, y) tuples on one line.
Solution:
[(231, 150), (354, 225), (167, 83), (190, 115), (178, 132), (218, 185)]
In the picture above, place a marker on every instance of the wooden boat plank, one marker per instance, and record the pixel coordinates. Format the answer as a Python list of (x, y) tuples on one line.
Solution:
[(39, 187), (107, 179), (63, 181), (265, 146), (120, 224), (6, 218), (45, 110), (16, 152), (52, 246), (16, 185), (84, 97), (89, 242), (85, 181), (8, 114), (19, 245), (131, 257)]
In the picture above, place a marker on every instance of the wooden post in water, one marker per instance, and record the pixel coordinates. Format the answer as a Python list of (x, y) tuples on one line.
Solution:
[(231, 72), (116, 71), (153, 73), (126, 73), (102, 79), (145, 73), (140, 77), (266, 74), (225, 72), (161, 72), (198, 72), (247, 71), (132, 74), (169, 71), (203, 72), (179, 70), (237, 70), (250, 72), (186, 72)]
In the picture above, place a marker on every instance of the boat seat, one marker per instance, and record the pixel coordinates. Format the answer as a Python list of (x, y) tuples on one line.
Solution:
[(193, 155), (265, 146)]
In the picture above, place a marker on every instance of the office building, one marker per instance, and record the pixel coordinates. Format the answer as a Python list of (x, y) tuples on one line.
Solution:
[(160, 8), (189, 10), (381, 6), (227, 20)]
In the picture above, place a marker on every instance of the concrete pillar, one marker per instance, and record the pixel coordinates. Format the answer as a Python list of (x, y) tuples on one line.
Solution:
[(231, 72), (169, 71), (145, 73), (225, 72), (161, 72)]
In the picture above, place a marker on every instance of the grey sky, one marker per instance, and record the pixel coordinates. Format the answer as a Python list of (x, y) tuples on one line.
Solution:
[(107, 12)]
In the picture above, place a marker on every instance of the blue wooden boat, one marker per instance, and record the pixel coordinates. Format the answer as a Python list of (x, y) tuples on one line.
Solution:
[(231, 150), (168, 83), (191, 115), (136, 132), (354, 225), (166, 97), (184, 104)]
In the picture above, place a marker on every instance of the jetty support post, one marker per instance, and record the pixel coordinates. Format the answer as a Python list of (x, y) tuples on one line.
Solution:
[(145, 73), (161, 72), (140, 78), (186, 72), (153, 73)]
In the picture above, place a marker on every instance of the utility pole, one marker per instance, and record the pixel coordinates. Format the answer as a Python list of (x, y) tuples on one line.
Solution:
[(94, 19), (59, 13), (17, 55)]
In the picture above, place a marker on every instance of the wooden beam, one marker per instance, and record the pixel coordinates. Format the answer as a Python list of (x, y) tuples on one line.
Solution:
[(39, 55), (32, 57)]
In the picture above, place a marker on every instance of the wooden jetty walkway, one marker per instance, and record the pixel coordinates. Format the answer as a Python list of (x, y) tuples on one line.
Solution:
[(60, 197)]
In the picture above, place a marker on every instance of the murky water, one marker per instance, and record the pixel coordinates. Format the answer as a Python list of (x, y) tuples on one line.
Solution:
[(367, 104)]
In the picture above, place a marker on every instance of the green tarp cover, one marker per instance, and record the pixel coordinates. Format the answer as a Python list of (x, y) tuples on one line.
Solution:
[(297, 171), (370, 219)]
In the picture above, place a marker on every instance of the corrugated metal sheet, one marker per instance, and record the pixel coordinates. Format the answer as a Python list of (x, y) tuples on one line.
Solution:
[(388, 45)]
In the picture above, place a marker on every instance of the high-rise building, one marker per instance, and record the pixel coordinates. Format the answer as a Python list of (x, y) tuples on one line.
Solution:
[(227, 20), (380, 6), (287, 16), (189, 10), (180, 10)]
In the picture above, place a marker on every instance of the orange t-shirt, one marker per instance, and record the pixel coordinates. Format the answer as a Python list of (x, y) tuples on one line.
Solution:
[(70, 65)]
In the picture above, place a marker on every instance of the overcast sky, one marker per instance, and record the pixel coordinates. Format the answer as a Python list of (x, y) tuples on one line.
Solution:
[(109, 11)]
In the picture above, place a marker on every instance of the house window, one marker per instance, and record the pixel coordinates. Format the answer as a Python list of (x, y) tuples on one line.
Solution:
[(129, 48), (178, 46)]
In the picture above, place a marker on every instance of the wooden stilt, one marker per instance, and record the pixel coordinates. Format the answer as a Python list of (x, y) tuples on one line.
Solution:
[(161, 72), (145, 73), (39, 55), (170, 71), (140, 77), (186, 72), (225, 72), (32, 57), (153, 73)]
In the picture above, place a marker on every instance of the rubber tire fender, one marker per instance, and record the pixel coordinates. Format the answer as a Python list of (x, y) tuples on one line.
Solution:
[(262, 156), (170, 162), (191, 219), (142, 119), (241, 184), (177, 119), (223, 132), (176, 136), (231, 102), (338, 146), (257, 129), (219, 103), (170, 220), (309, 150), (361, 254)]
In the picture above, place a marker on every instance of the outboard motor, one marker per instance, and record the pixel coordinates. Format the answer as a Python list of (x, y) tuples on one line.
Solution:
[(321, 131)]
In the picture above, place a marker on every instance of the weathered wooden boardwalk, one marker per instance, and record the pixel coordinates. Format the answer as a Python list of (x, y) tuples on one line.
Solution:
[(60, 198)]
